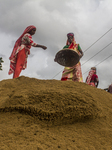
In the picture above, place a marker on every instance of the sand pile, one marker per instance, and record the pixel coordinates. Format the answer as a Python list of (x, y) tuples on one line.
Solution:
[(50, 114)]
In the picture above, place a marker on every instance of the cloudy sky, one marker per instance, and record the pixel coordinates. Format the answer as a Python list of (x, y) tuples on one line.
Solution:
[(88, 19)]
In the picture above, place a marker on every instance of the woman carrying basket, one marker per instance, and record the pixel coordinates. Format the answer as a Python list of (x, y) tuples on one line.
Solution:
[(73, 73)]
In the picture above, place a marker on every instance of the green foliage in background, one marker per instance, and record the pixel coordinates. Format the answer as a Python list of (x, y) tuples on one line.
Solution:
[(1, 61)]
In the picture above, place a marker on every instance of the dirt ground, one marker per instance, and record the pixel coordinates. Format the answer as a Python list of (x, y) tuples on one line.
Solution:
[(54, 115)]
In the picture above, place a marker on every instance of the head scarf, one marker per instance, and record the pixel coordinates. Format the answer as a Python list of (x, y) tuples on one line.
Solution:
[(18, 42), (73, 44), (70, 34)]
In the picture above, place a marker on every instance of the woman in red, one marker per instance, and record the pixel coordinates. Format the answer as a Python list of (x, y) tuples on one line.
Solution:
[(92, 78), (21, 50)]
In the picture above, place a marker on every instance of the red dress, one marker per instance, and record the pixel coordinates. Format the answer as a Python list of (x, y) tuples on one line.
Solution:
[(93, 80), (18, 58)]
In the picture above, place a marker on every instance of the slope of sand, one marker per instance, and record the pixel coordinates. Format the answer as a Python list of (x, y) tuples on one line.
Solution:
[(54, 115)]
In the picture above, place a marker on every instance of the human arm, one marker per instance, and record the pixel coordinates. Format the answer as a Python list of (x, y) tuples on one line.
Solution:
[(38, 45), (97, 82), (86, 80), (41, 46), (27, 40), (66, 46), (108, 90), (80, 50)]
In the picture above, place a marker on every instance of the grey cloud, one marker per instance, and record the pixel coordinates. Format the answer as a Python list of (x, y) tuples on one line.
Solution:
[(1, 55)]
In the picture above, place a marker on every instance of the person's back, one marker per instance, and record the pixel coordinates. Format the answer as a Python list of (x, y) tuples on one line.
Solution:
[(94, 78)]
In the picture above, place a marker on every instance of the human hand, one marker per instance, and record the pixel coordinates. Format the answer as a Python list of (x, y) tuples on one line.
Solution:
[(80, 56), (55, 59), (44, 47)]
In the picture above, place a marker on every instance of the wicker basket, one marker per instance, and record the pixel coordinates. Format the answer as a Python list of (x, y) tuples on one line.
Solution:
[(67, 57)]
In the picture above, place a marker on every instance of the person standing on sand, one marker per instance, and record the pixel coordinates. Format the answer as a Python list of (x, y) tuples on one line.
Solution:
[(73, 73), (92, 78), (21, 50)]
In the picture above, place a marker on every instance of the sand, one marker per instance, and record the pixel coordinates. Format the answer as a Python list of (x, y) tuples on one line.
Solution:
[(54, 115)]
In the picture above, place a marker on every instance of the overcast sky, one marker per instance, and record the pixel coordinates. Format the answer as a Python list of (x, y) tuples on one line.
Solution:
[(87, 19)]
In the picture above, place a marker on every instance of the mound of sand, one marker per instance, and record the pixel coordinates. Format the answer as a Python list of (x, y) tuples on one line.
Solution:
[(50, 114)]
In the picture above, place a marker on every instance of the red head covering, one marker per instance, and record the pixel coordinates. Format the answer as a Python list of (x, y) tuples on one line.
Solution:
[(70, 34), (18, 42)]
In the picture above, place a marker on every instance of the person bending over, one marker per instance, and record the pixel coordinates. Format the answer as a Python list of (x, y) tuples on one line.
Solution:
[(21, 50)]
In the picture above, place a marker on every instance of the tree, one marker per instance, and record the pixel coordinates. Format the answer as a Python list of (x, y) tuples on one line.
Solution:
[(1, 61)]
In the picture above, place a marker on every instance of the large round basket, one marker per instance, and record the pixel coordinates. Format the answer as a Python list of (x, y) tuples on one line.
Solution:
[(67, 57)]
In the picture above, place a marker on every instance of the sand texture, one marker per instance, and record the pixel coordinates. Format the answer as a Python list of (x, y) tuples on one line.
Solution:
[(54, 115)]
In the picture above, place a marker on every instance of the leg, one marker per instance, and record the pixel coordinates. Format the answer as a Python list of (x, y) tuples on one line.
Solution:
[(20, 63)]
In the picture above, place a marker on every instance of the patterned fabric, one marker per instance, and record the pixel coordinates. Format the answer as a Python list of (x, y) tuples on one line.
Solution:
[(24, 41), (70, 34), (27, 41), (73, 73), (94, 77), (91, 72), (91, 78), (92, 84)]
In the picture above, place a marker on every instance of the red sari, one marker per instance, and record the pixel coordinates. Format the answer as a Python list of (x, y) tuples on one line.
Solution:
[(21, 50), (91, 78)]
